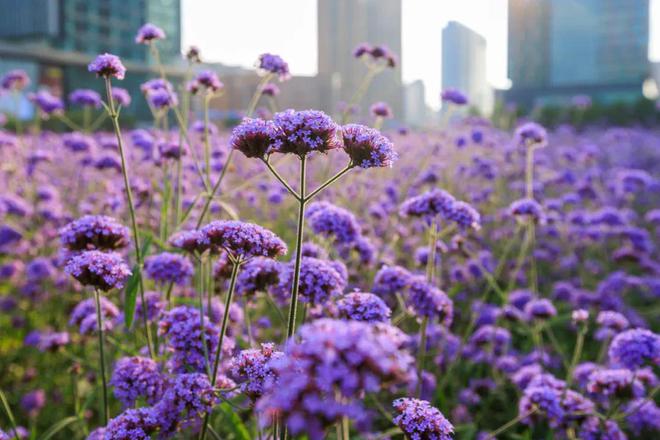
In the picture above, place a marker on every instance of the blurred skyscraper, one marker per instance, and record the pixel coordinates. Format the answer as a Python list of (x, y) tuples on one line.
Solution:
[(54, 40), (342, 25), (562, 48), (414, 104), (464, 64)]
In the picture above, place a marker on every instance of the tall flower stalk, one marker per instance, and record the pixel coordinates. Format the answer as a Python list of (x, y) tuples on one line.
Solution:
[(104, 379), (108, 66)]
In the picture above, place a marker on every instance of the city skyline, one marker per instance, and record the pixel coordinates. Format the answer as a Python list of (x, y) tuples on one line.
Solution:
[(294, 36)]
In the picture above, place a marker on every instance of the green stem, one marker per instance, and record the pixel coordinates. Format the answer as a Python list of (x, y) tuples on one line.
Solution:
[(509, 424), (86, 117), (214, 190), (223, 330), (529, 172), (207, 142), (421, 354), (521, 259), (257, 94), (179, 190), (359, 93), (280, 178), (168, 295), (291, 324), (184, 131), (329, 182), (577, 353), (99, 322), (131, 208)]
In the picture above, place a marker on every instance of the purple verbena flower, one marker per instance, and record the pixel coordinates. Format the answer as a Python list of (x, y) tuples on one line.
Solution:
[(367, 147), (148, 33), (363, 306), (251, 368), (253, 137), (168, 267), (274, 64), (94, 232), (305, 132), (102, 270), (107, 66), (241, 239), (633, 348), (333, 221), (135, 377), (419, 420)]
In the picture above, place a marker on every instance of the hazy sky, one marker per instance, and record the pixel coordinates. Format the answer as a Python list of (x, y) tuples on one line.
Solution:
[(236, 31)]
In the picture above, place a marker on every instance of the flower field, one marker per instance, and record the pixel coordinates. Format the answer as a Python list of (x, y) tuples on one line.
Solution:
[(302, 275)]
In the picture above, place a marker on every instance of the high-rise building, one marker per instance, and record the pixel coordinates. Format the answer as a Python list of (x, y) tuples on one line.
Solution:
[(54, 40), (464, 64), (342, 25), (561, 48), (414, 103)]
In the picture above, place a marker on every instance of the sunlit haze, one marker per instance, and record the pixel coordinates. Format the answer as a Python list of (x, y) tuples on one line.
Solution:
[(236, 32)]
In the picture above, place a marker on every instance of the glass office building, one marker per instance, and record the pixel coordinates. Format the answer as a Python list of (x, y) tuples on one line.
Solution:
[(55, 39), (560, 48)]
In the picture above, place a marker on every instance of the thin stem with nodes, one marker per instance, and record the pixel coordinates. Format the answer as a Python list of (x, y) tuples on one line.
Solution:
[(293, 307), (104, 380), (236, 264), (114, 116), (510, 424)]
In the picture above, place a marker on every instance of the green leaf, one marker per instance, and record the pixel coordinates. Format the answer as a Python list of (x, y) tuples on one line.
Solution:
[(10, 415), (234, 422), (57, 427), (146, 244), (130, 296)]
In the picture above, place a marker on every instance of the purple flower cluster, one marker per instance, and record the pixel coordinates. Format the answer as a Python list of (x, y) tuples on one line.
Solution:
[(419, 420), (376, 54), (185, 401), (320, 281), (363, 306), (323, 377), (148, 33), (252, 369), (438, 203), (367, 147), (634, 348), (305, 132), (167, 267), (381, 110), (103, 270), (85, 98), (186, 338), (274, 64), (84, 315), (209, 80), (531, 134), (15, 80), (253, 137), (132, 424), (241, 239), (107, 66), (135, 377), (94, 232), (429, 301), (257, 275), (524, 209), (454, 96), (47, 103), (333, 221), (391, 280)]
